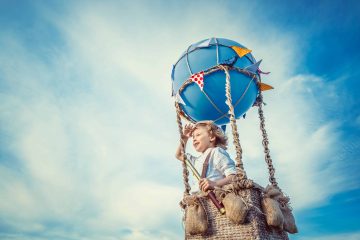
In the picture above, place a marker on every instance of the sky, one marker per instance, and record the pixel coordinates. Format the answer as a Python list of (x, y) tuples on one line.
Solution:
[(88, 128)]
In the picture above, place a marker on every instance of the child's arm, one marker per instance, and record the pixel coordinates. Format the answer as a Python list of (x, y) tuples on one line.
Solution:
[(180, 150), (206, 184), (186, 135)]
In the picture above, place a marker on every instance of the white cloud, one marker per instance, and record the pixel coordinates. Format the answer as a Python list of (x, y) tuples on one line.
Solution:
[(94, 128)]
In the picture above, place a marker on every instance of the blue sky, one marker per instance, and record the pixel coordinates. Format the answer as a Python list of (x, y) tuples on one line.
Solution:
[(88, 130)]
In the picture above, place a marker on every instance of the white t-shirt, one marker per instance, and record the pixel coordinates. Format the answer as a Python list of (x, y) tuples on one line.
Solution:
[(220, 165)]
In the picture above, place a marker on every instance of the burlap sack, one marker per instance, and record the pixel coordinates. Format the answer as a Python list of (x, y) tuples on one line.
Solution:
[(195, 217), (271, 207), (289, 220), (236, 209), (275, 201), (272, 211)]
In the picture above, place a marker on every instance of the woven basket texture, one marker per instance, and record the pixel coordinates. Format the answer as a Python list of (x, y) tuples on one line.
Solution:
[(254, 228)]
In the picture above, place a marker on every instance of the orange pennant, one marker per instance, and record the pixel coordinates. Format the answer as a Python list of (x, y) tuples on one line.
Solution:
[(264, 87), (241, 51)]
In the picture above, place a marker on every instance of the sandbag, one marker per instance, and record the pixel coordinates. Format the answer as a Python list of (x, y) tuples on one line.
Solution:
[(236, 209), (273, 202), (195, 217), (272, 211), (289, 220)]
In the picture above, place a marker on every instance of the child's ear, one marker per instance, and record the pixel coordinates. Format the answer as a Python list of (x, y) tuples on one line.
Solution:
[(212, 139)]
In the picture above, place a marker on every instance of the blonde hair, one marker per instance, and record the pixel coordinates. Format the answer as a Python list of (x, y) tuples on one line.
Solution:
[(220, 139)]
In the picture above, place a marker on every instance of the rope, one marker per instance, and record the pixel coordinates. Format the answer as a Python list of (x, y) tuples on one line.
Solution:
[(182, 142), (236, 141), (265, 143)]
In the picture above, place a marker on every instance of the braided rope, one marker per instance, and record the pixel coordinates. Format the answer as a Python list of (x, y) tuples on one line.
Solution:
[(182, 142), (239, 164), (265, 143)]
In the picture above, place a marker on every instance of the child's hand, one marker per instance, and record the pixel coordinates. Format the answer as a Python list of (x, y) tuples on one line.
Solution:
[(189, 128), (206, 184)]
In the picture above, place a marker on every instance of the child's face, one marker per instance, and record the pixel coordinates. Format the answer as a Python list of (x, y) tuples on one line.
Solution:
[(202, 139)]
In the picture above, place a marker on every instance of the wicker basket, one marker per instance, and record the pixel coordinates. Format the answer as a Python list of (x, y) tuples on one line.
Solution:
[(255, 227)]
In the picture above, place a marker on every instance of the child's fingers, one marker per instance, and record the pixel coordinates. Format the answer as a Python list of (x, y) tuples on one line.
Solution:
[(188, 129), (204, 184), (201, 183), (205, 188)]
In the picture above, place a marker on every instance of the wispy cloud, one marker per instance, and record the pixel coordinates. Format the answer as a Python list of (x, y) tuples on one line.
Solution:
[(92, 127)]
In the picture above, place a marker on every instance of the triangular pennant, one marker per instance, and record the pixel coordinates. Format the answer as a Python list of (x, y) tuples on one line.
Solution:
[(198, 78), (179, 99), (230, 61), (264, 87), (205, 43), (240, 51), (254, 67)]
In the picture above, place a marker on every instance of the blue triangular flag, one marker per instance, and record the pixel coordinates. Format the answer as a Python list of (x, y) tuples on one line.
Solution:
[(254, 67), (205, 43)]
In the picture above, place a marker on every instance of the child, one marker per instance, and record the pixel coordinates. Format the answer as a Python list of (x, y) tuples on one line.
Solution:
[(208, 139)]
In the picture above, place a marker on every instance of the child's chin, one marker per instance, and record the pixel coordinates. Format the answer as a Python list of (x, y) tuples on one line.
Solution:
[(201, 150), (198, 149)]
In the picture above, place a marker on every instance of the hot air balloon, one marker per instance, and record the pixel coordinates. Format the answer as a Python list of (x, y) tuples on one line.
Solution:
[(199, 80), (219, 79)]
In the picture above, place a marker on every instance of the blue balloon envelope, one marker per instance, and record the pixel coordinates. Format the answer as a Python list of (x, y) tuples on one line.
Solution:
[(206, 100)]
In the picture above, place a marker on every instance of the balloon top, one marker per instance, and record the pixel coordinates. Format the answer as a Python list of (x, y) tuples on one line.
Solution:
[(199, 81)]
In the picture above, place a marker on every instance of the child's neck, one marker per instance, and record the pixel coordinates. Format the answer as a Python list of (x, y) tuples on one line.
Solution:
[(212, 146)]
